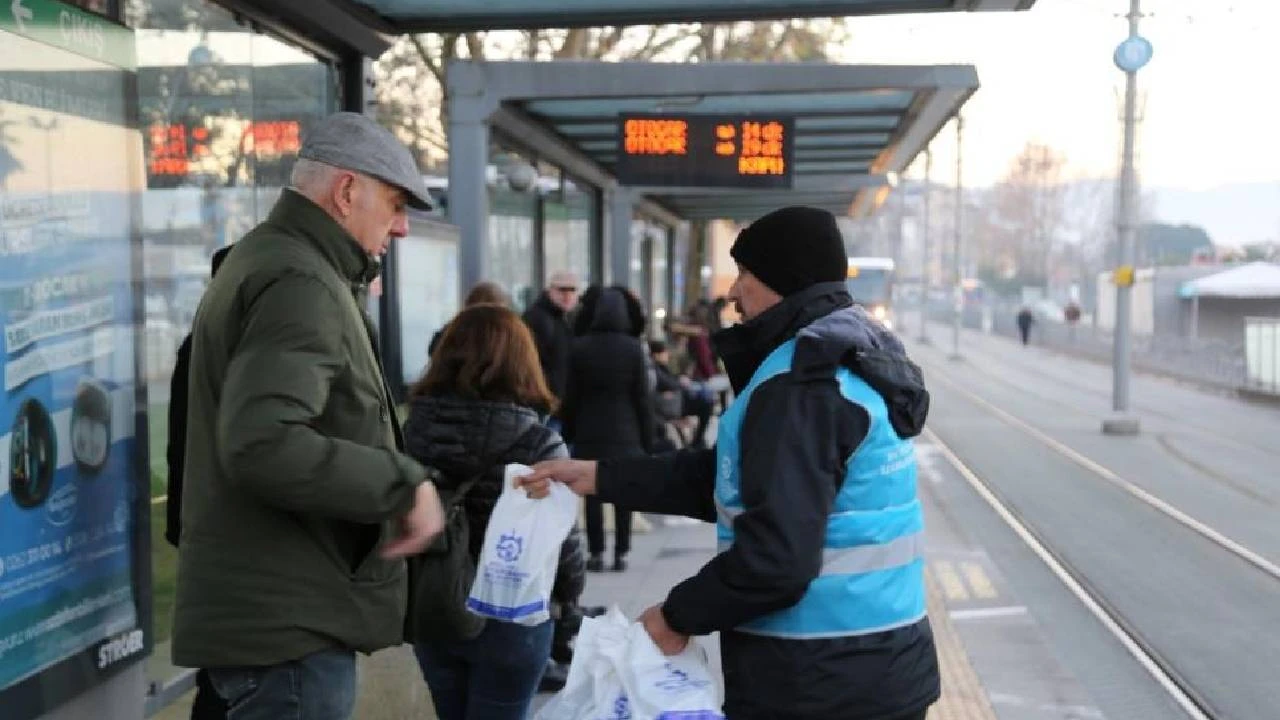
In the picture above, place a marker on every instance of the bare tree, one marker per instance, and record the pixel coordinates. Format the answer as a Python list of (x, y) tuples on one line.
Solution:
[(1026, 215)]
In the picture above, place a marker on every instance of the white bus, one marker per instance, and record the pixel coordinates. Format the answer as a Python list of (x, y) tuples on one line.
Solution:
[(870, 282)]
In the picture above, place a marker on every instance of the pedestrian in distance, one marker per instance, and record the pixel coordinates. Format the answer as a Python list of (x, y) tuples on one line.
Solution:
[(1025, 321)]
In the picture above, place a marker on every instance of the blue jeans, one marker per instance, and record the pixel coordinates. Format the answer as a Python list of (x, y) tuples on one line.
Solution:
[(319, 686), (493, 677)]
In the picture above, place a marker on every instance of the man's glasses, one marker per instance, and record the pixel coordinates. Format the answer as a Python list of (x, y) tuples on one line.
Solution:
[(566, 289)]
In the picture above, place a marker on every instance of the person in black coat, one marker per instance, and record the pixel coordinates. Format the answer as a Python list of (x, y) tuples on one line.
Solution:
[(480, 407), (208, 705), (1025, 320), (548, 320), (608, 406)]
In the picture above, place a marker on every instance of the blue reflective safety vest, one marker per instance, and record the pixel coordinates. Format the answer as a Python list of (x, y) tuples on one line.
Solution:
[(872, 576)]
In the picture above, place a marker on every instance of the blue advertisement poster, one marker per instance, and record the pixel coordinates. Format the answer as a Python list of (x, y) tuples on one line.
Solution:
[(68, 388)]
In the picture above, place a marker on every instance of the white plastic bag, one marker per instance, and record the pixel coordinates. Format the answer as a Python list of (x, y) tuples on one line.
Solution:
[(593, 690), (619, 674), (664, 687), (517, 564)]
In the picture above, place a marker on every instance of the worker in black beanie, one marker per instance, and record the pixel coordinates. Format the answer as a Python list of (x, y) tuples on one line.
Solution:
[(792, 248), (813, 466)]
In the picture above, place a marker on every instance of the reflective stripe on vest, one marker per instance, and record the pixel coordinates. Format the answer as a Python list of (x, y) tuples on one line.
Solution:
[(872, 576)]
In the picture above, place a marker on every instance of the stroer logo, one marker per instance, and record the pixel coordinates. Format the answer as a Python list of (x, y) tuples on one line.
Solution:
[(118, 648), (61, 505)]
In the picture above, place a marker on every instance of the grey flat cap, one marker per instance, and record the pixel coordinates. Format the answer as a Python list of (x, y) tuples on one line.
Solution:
[(352, 141)]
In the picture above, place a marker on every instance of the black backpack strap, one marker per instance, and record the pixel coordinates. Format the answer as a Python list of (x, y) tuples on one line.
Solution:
[(460, 493)]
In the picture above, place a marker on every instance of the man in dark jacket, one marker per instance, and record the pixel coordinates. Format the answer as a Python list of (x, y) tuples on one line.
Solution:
[(548, 320), (207, 704), (818, 588), (298, 503)]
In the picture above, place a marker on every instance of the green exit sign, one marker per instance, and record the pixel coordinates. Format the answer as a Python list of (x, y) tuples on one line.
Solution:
[(70, 28)]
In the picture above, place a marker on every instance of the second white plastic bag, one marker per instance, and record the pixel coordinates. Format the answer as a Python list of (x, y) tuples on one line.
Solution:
[(593, 690), (662, 687), (619, 674), (517, 564)]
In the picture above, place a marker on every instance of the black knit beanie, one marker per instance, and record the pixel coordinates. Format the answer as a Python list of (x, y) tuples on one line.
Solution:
[(792, 248)]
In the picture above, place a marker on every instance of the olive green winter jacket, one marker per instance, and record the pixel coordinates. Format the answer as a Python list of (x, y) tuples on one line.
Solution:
[(294, 473)]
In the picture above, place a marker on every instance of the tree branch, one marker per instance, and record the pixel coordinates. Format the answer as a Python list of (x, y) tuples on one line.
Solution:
[(782, 44), (435, 65), (575, 41), (475, 46), (657, 49), (609, 40)]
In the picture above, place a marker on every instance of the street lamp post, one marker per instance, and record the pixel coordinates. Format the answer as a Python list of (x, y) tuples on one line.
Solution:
[(924, 242), (1130, 56), (957, 271)]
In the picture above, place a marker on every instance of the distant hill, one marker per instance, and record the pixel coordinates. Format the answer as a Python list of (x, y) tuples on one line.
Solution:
[(1233, 215)]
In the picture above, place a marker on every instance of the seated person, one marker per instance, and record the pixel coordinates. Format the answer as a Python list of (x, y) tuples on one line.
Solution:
[(680, 397)]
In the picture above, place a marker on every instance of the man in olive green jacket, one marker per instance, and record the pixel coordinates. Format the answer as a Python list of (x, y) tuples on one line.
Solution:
[(299, 505)]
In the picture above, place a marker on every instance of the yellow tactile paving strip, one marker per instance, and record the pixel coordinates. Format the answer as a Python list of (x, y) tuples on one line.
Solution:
[(963, 697)]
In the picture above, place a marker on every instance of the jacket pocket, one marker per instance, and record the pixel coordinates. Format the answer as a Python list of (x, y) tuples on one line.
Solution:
[(375, 569), (234, 685)]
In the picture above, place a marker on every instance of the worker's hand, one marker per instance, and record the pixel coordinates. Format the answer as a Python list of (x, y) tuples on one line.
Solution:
[(668, 641), (578, 475), (420, 525)]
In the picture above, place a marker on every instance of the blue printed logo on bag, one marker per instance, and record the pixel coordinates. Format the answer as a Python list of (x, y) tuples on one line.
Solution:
[(678, 680), (621, 709), (509, 547)]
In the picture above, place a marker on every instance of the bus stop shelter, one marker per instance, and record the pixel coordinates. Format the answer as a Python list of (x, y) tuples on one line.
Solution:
[(400, 16), (854, 129)]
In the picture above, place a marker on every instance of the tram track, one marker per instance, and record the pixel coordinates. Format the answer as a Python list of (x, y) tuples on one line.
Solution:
[(988, 360), (1167, 441), (1147, 653), (1135, 644), (1097, 469)]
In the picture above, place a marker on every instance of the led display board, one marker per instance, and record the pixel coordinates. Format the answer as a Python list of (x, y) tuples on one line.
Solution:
[(733, 151)]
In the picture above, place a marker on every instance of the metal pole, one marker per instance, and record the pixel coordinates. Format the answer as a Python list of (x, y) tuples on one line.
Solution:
[(899, 235), (621, 213), (1121, 423), (957, 270), (924, 241), (469, 193)]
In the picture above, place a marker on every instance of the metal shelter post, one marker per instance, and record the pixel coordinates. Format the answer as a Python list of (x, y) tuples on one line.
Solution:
[(925, 249), (468, 193), (621, 213), (696, 257), (900, 231), (958, 269), (1121, 421)]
